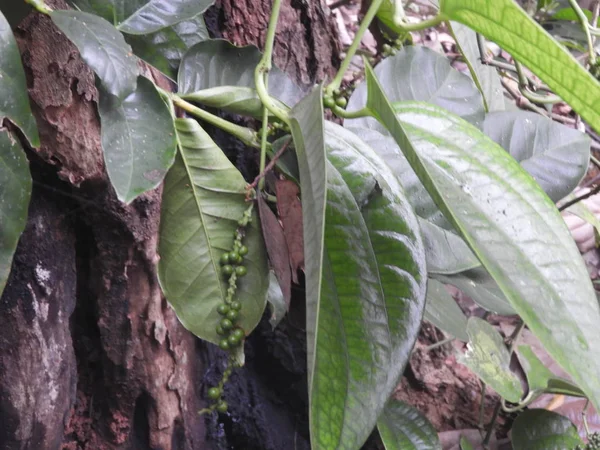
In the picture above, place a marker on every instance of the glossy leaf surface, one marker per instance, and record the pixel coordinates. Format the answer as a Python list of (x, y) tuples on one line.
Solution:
[(402, 427), (443, 312), (512, 226), (538, 429), (556, 156), (102, 47), (15, 191), (138, 139), (14, 100), (203, 199)]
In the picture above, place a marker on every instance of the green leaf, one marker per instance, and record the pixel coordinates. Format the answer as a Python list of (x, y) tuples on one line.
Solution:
[(276, 301), (512, 226), (569, 14), (465, 444), (446, 252), (14, 101), (138, 139), (158, 14), (103, 48), (402, 79), (390, 12), (203, 199), (538, 429), (565, 387), (488, 357), (580, 210), (443, 312), (402, 427), (216, 62), (556, 156), (165, 48), (15, 191), (486, 78), (506, 24), (365, 305)]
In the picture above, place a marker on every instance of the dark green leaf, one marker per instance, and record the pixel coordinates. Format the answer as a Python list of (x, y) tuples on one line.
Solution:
[(565, 387), (138, 139), (216, 62), (512, 226), (14, 100), (158, 14), (443, 312), (403, 78), (402, 427), (203, 199), (489, 358), (165, 48), (538, 429), (555, 155), (103, 48), (15, 191)]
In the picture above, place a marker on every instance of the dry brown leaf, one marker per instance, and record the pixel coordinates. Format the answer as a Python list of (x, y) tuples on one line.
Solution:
[(290, 212)]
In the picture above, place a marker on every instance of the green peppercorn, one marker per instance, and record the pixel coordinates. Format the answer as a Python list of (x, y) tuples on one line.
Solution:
[(387, 48), (224, 259), (235, 305), (239, 333), (243, 250), (240, 271), (224, 344), (222, 406), (227, 373), (328, 101), (233, 315), (220, 331), (235, 257), (233, 341), (341, 102), (214, 393), (222, 309), (227, 269), (226, 324)]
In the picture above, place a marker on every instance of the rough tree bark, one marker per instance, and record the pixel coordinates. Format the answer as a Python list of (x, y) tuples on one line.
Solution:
[(91, 356)]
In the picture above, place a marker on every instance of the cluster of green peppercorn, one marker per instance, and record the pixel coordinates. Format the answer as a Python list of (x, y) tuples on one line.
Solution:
[(593, 443)]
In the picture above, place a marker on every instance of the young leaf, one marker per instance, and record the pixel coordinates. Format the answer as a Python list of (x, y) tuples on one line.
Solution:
[(506, 24), (486, 78), (538, 429), (512, 226), (278, 305), (203, 199), (216, 62), (443, 312), (103, 48), (158, 14), (402, 427), (15, 191), (138, 139), (14, 101), (556, 156), (489, 358)]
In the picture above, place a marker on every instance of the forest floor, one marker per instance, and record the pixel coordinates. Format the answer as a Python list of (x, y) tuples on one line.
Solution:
[(445, 391)]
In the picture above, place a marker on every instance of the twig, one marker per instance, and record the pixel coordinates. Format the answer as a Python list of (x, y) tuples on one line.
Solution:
[(269, 166), (580, 198)]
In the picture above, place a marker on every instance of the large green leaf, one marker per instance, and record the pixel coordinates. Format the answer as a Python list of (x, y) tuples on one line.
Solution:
[(488, 357), (165, 48), (158, 14), (402, 427), (512, 226), (14, 101), (538, 429), (15, 191), (216, 62), (102, 47), (443, 312), (555, 155), (446, 252), (138, 139), (486, 78), (203, 199), (419, 73), (365, 295), (505, 23)]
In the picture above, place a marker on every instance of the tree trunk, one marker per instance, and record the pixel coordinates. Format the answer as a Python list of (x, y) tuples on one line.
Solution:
[(91, 356)]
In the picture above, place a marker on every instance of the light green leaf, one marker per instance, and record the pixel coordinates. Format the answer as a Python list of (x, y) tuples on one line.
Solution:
[(158, 14), (419, 73), (489, 358), (216, 62), (465, 444), (506, 24), (443, 312), (538, 429), (556, 156), (15, 191), (570, 14), (580, 210), (203, 199), (512, 226), (165, 48), (14, 100), (402, 427), (486, 78), (103, 48), (138, 139), (276, 301)]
